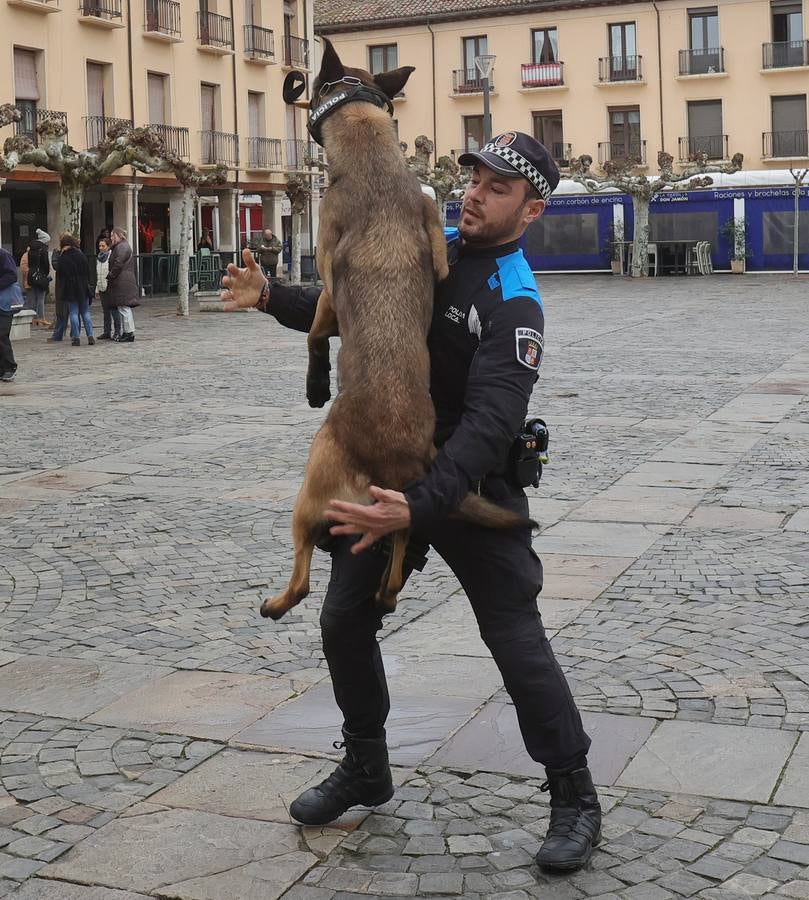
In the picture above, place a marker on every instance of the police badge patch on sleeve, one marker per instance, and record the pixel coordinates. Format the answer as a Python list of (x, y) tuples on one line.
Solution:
[(529, 347)]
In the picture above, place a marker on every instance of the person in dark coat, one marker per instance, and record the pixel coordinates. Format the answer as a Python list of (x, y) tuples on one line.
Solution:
[(122, 283), (8, 276), (39, 271), (73, 274)]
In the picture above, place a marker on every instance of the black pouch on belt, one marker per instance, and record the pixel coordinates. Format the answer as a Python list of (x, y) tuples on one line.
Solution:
[(529, 453)]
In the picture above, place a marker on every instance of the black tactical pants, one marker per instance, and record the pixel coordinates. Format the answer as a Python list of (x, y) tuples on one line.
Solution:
[(501, 576)]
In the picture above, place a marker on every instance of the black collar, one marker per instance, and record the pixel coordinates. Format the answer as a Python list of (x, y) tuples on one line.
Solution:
[(470, 250), (353, 91)]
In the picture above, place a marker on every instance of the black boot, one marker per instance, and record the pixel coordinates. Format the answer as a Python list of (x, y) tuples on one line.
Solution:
[(362, 779), (575, 828)]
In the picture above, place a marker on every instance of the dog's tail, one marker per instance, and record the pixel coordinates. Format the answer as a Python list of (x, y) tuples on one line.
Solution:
[(483, 512)]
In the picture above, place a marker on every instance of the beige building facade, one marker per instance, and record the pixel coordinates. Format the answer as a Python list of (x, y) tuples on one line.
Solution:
[(616, 81), (206, 73)]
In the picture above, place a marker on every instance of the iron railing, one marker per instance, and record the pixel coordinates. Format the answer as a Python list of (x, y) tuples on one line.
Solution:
[(214, 30), (714, 146), (296, 51), (702, 61), (562, 154), (163, 17), (100, 9), (468, 81), (299, 154), (785, 144), (219, 148), (264, 153), (175, 139), (620, 68), (785, 54), (33, 116), (542, 74), (97, 127), (259, 42), (633, 151)]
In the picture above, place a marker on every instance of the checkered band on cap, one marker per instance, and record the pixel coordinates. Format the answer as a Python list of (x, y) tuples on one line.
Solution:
[(521, 164)]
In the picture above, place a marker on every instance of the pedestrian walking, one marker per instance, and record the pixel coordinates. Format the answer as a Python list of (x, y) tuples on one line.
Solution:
[(122, 283), (485, 344), (112, 318), (39, 276), (73, 272), (11, 300), (268, 251)]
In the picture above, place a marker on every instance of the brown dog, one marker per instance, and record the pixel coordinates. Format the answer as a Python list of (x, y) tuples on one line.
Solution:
[(380, 247)]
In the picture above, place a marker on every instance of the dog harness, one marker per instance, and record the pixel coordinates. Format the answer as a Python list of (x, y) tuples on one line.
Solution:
[(354, 91)]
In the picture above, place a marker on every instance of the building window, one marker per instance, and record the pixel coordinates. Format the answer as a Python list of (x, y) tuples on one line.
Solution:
[(705, 129), (625, 142), (255, 114), (472, 47), (383, 58), (472, 133), (545, 45), (623, 52), (789, 134), (787, 21), (548, 131), (26, 91), (208, 98), (703, 28), (157, 96)]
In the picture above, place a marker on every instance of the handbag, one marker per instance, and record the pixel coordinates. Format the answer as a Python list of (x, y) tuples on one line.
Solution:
[(39, 279), (11, 299)]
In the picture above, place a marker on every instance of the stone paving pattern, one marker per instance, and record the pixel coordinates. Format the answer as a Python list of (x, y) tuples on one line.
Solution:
[(153, 729)]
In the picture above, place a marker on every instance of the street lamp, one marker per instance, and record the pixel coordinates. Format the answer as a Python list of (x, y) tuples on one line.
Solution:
[(484, 65)]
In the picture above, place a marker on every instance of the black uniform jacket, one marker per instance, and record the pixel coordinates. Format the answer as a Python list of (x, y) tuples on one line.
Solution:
[(486, 343)]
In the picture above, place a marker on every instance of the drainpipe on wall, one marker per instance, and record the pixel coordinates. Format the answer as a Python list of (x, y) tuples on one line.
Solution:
[(660, 79), (432, 47), (235, 211), (133, 180)]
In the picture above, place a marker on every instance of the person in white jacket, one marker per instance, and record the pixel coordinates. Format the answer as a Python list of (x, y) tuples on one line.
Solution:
[(112, 318)]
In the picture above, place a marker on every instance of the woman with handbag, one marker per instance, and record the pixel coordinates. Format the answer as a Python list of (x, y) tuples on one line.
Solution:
[(73, 274), (39, 275), (11, 301), (122, 285)]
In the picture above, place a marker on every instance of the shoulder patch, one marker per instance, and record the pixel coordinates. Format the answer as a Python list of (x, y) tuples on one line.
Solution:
[(451, 235), (529, 347)]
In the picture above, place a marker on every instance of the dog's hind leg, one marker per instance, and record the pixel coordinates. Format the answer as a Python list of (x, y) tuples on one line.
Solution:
[(393, 579), (323, 327), (438, 240)]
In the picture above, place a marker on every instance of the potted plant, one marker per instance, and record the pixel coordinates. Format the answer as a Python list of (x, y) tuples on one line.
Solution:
[(734, 231), (617, 247)]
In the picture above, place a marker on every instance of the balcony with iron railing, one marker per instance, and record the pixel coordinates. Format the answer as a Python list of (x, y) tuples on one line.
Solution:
[(469, 81), (264, 153), (619, 69), (214, 32), (40, 6), (163, 19), (259, 44), (107, 13), (33, 116), (219, 148), (714, 146), (296, 52), (785, 144), (631, 151), (543, 75), (175, 139), (298, 154), (709, 61), (97, 128), (785, 55)]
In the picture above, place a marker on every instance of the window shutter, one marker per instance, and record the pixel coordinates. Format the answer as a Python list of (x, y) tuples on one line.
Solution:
[(95, 89), (208, 123), (157, 99), (254, 114), (26, 86)]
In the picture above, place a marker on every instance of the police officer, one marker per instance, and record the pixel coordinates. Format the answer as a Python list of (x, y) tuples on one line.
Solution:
[(486, 343)]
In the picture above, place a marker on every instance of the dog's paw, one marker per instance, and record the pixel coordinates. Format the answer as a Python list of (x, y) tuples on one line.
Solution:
[(386, 602), (318, 391)]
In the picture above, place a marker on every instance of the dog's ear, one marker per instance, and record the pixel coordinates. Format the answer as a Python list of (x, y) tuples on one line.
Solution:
[(390, 83), (331, 69)]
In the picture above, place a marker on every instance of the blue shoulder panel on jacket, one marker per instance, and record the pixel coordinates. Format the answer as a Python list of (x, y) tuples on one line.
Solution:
[(452, 235), (516, 278)]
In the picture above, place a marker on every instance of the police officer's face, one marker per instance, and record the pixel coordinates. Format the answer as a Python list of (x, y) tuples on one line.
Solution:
[(496, 209)]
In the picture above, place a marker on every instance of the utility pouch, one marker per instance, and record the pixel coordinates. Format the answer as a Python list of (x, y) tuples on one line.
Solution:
[(529, 453)]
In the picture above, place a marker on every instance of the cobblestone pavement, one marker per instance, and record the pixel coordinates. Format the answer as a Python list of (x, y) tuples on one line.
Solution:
[(153, 728)]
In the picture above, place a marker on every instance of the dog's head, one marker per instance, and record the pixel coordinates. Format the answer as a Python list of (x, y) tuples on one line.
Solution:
[(332, 71)]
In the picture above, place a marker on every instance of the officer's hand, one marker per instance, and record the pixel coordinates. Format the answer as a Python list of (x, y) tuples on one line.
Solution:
[(243, 287), (389, 512)]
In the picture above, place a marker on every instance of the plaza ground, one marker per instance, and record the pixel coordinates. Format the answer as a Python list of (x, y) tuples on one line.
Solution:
[(154, 728)]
